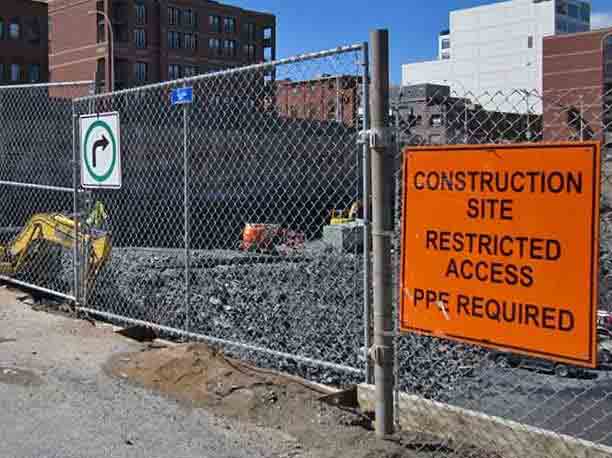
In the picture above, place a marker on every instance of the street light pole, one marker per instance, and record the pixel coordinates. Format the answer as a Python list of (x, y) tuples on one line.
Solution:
[(111, 40)]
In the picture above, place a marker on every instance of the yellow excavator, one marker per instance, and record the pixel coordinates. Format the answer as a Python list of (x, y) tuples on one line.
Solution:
[(345, 216), (59, 230)]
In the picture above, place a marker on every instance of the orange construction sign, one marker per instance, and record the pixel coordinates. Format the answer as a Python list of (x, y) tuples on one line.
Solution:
[(500, 247)]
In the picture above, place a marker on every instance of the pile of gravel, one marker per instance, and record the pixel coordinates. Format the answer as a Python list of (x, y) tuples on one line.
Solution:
[(308, 304)]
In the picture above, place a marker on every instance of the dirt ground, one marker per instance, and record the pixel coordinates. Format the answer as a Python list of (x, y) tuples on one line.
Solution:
[(202, 377)]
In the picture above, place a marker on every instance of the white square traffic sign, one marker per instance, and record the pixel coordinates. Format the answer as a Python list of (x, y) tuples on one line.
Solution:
[(100, 151)]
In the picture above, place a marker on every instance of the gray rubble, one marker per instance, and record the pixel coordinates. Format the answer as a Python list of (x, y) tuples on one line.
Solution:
[(308, 304)]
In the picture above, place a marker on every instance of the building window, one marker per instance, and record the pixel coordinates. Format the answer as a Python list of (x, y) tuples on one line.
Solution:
[(140, 38), (214, 45), (445, 56), (562, 7), (561, 26), (250, 30), (14, 30), (250, 51), (174, 39), (445, 43), (141, 13), (190, 41), (2, 70), (229, 25), (572, 10), (268, 54), (530, 41), (215, 23), (229, 47), (267, 33), (174, 71), (15, 72), (174, 15), (189, 18), (585, 12), (141, 71), (189, 70), (572, 27), (34, 76), (436, 120)]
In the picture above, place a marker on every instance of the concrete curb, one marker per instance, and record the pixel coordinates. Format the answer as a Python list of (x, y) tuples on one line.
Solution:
[(509, 438)]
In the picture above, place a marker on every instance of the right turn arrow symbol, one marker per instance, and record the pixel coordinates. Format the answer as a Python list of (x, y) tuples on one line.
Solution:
[(101, 143)]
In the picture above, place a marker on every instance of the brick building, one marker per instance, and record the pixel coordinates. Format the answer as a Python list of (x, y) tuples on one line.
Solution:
[(154, 40), (430, 114), (327, 98), (23, 42), (577, 89)]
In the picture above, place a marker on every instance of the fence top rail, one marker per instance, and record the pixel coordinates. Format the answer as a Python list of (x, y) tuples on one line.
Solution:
[(57, 84), (230, 71)]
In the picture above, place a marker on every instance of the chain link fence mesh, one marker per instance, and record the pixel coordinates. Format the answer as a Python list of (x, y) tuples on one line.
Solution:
[(36, 177), (271, 151), (519, 389), (274, 149)]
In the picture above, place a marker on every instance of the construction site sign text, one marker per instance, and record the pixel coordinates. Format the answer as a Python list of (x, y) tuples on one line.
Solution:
[(500, 247)]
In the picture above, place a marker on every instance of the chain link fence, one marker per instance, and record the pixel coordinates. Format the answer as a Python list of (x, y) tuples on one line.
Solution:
[(36, 178), (221, 229), (528, 398), (222, 232)]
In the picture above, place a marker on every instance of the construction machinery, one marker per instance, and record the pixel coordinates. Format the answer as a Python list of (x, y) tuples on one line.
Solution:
[(56, 229), (268, 238), (345, 216)]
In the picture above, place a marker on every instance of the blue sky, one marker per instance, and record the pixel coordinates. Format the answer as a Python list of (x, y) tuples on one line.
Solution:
[(314, 25)]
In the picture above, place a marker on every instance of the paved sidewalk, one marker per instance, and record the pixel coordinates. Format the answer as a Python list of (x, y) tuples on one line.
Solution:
[(57, 403)]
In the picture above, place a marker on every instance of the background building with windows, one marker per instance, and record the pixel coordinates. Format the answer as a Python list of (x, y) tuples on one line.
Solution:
[(23, 42), (327, 98), (429, 114), (154, 40), (578, 86), (492, 51)]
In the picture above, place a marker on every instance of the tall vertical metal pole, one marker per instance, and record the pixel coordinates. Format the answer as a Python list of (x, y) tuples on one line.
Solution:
[(187, 216), (76, 263), (528, 115), (382, 229), (367, 259), (581, 120), (465, 124)]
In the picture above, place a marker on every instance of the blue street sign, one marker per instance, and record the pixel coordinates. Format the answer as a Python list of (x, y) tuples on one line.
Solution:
[(181, 95)]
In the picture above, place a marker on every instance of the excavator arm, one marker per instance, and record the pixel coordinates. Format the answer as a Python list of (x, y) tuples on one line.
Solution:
[(56, 229)]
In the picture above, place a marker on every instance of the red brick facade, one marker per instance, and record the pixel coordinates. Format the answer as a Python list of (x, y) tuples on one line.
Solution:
[(576, 85), (144, 34), (329, 98)]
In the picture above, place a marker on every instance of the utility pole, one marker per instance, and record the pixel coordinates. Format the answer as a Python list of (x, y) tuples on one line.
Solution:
[(382, 229), (110, 43)]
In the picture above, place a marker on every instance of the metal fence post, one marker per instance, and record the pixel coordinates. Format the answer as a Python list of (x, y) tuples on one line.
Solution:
[(382, 228), (76, 261), (186, 216), (367, 261)]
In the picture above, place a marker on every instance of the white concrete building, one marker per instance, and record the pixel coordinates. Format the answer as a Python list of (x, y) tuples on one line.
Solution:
[(492, 51)]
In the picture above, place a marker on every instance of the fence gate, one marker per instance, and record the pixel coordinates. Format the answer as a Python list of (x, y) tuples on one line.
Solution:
[(36, 178), (274, 144)]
